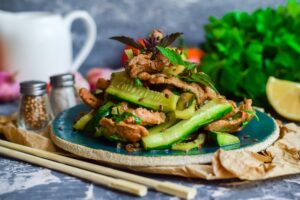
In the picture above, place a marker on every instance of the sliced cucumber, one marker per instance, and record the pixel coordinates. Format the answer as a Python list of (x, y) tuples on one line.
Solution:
[(213, 110), (188, 112), (81, 123), (224, 139), (162, 127), (186, 146), (103, 111), (122, 86), (184, 101)]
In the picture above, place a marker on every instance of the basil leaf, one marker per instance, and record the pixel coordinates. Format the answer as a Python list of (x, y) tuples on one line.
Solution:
[(199, 77), (175, 58), (203, 79), (172, 55), (128, 41), (190, 66), (169, 39)]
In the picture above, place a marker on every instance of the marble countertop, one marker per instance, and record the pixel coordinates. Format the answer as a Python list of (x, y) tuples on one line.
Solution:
[(19, 180)]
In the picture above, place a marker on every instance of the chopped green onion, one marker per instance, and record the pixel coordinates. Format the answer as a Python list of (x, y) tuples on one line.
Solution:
[(138, 82)]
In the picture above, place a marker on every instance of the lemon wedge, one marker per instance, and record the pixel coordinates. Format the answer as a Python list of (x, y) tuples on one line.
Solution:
[(284, 96)]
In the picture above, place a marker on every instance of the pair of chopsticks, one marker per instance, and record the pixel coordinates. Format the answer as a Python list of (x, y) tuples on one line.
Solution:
[(123, 181)]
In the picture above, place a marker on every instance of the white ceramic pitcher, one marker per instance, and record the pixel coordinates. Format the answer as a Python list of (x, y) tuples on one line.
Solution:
[(36, 45)]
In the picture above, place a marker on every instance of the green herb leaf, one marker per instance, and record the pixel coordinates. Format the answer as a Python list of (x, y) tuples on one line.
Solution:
[(118, 118), (245, 123), (175, 91), (252, 112), (200, 77), (138, 82), (175, 58), (172, 55), (190, 66), (204, 79), (137, 119)]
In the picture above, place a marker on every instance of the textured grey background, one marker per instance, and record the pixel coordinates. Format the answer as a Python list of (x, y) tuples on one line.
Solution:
[(136, 18)]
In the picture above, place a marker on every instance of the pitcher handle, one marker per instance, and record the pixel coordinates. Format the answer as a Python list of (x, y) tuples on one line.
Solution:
[(90, 26)]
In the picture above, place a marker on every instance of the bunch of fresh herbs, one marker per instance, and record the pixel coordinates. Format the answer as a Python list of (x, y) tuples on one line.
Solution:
[(243, 50)]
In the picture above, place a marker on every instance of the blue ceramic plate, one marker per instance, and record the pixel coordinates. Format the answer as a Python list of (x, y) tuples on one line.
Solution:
[(256, 136)]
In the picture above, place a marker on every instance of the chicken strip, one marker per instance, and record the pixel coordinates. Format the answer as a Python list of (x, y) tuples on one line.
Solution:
[(143, 63), (102, 83), (164, 79), (131, 132), (147, 117), (234, 122), (88, 98)]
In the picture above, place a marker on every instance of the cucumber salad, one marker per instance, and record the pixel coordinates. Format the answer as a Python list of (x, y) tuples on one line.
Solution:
[(161, 101)]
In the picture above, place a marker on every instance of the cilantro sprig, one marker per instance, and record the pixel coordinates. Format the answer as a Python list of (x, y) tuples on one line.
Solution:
[(121, 117), (243, 49)]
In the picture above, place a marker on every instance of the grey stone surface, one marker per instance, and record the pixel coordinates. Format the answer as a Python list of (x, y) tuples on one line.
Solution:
[(137, 18), (19, 180)]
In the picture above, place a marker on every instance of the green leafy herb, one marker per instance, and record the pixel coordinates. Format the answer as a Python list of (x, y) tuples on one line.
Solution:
[(137, 119), (204, 79), (199, 77), (175, 58), (252, 112), (172, 55), (245, 123), (243, 49), (138, 82), (175, 91), (125, 115)]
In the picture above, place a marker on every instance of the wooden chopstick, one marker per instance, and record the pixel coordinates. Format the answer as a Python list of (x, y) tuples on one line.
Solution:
[(165, 187), (118, 184)]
